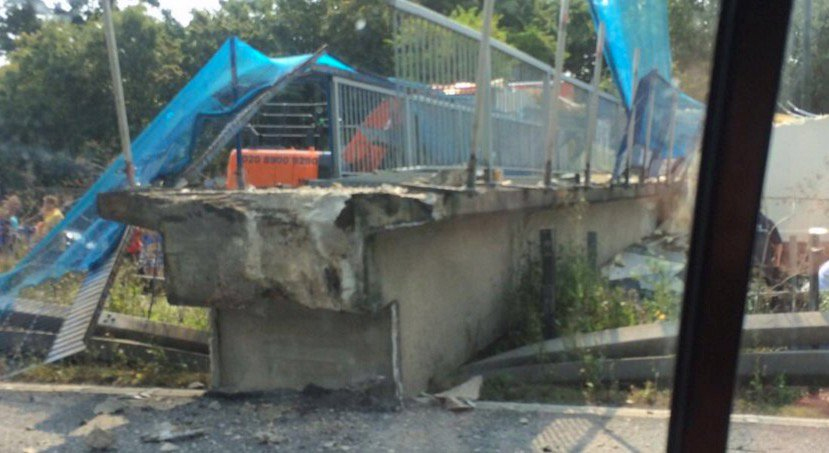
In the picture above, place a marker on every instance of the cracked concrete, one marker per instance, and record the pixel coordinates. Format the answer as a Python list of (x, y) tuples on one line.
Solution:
[(303, 246)]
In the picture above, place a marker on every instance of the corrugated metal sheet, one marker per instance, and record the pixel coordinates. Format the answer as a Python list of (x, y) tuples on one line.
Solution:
[(86, 307)]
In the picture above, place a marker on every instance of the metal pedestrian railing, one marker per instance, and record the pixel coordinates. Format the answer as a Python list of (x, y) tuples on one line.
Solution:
[(426, 119)]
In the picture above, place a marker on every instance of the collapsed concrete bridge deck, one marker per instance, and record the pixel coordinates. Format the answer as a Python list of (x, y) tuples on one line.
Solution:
[(343, 287)]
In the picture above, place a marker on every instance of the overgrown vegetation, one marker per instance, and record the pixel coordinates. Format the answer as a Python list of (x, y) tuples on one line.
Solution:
[(761, 394), (133, 295), (120, 370), (507, 388), (585, 301)]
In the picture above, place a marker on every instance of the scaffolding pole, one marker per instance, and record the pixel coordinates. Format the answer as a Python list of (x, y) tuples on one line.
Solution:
[(118, 92)]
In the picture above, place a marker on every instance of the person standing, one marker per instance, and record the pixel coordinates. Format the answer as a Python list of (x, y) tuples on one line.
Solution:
[(12, 207), (9, 223), (51, 214)]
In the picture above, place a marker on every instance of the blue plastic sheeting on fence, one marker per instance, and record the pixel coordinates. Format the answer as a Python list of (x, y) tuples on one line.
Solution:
[(657, 94), (631, 25), (83, 240)]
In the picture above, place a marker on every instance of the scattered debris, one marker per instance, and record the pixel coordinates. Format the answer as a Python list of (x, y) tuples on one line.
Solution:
[(214, 405), (524, 420), (658, 259), (109, 406), (167, 432), (142, 395), (454, 404), (100, 440), (196, 386), (461, 397), (167, 446), (469, 390), (270, 437)]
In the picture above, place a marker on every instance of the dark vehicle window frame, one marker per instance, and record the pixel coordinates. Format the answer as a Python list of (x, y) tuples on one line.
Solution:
[(751, 40)]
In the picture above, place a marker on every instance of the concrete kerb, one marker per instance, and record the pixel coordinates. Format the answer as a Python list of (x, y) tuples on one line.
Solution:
[(658, 339), (21, 387), (806, 366)]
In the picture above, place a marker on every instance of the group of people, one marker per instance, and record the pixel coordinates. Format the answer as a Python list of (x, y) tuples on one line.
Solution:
[(15, 232)]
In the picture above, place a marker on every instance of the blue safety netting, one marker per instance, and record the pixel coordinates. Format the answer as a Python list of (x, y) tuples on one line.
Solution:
[(167, 145), (631, 25), (654, 105), (643, 25)]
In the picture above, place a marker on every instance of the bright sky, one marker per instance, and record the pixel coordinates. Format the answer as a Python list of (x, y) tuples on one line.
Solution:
[(180, 8)]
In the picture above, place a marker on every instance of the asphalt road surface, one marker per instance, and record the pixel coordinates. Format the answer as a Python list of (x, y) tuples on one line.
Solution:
[(71, 418)]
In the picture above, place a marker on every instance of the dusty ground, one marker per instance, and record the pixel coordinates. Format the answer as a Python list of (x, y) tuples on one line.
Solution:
[(59, 419)]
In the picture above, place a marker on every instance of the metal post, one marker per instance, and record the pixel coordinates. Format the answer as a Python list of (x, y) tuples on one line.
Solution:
[(593, 111), (593, 250), (632, 120), (481, 123), (547, 239), (815, 255), (118, 91), (735, 143), (552, 133), (647, 151), (794, 269), (547, 100), (806, 73), (672, 134), (334, 126), (240, 169), (408, 140)]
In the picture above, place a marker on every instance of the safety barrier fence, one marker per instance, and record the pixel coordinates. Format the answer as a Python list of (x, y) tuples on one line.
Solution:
[(426, 119)]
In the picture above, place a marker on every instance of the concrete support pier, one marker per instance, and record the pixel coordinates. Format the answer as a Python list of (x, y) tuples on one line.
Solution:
[(384, 287)]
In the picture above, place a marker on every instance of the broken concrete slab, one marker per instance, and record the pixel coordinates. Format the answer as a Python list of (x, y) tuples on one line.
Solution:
[(245, 238), (337, 286), (100, 440), (303, 246)]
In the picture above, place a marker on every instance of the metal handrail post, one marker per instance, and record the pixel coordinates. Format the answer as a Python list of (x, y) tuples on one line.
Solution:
[(593, 111), (552, 134), (482, 118)]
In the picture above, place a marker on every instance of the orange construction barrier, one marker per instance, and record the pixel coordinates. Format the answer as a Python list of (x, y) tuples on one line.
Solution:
[(275, 167), (364, 154)]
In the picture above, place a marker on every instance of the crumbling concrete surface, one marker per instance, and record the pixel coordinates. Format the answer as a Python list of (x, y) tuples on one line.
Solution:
[(303, 246)]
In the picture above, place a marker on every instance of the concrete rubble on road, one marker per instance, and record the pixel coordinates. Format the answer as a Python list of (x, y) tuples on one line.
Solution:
[(100, 440), (167, 432)]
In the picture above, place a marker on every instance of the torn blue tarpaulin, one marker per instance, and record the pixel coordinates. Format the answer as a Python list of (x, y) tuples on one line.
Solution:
[(83, 240), (643, 25)]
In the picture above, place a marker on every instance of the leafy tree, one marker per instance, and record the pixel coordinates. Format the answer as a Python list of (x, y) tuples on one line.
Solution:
[(693, 27), (21, 18), (56, 89), (472, 17)]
